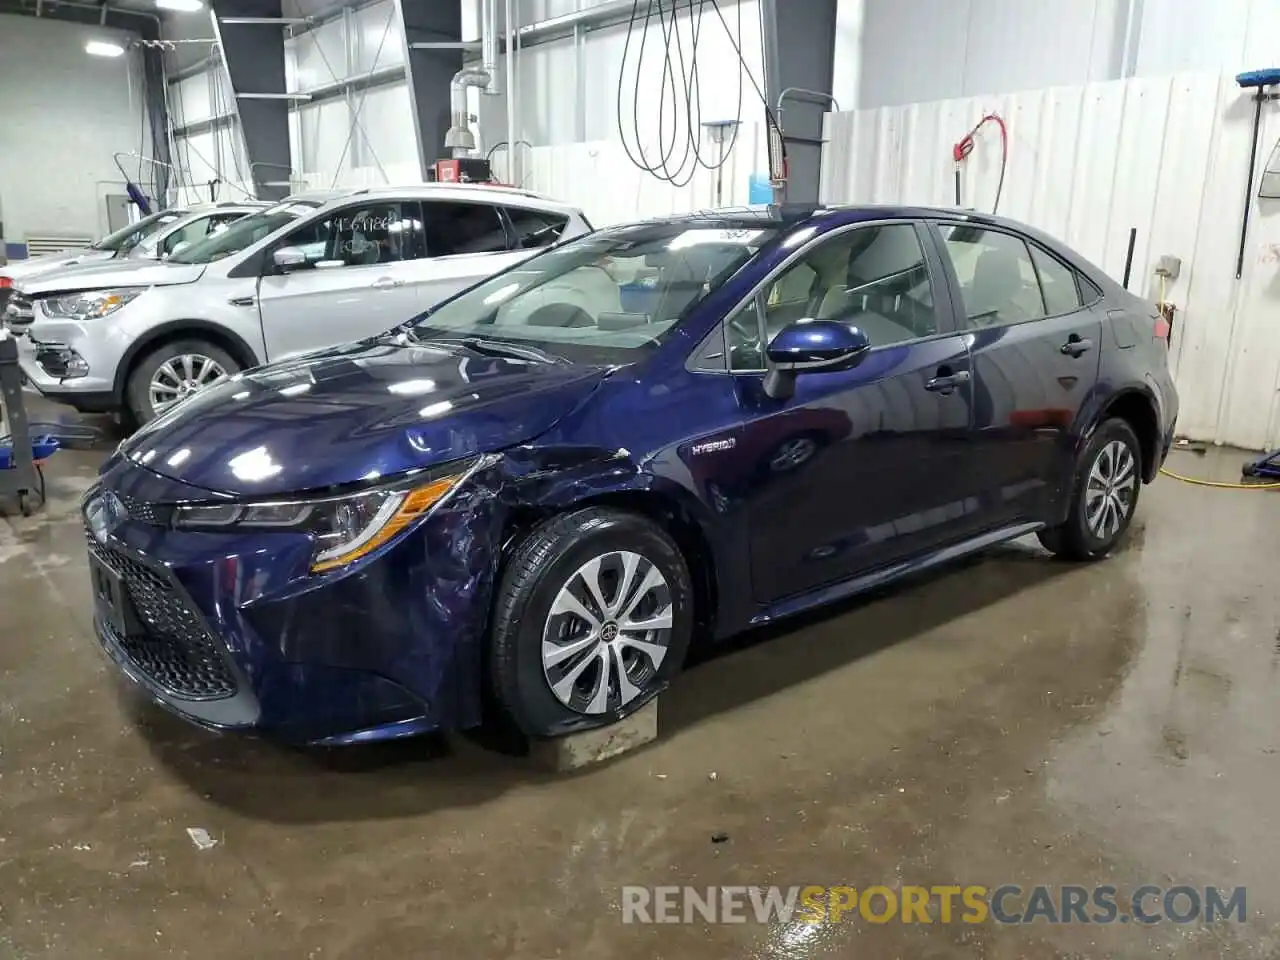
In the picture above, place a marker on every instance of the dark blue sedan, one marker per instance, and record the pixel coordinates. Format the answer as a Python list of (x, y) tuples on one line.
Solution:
[(535, 496)]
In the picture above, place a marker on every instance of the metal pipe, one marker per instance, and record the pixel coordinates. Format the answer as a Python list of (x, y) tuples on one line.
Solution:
[(512, 153), (266, 21), (489, 42), (1258, 99), (812, 96), (460, 139), (1128, 257), (274, 96)]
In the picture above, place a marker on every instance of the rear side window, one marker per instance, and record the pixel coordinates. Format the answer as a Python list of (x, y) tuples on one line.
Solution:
[(997, 278), (1058, 281), (536, 228), (453, 228)]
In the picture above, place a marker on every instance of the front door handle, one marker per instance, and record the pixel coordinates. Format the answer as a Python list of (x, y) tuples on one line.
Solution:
[(243, 301), (946, 382), (387, 283), (1076, 346)]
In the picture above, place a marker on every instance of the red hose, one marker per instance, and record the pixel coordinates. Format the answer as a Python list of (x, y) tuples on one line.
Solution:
[(964, 147)]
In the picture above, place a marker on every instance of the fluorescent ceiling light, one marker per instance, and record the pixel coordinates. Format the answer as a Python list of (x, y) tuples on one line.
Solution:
[(103, 48), (180, 6)]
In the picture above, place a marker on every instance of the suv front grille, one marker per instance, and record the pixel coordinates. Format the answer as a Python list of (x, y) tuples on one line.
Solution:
[(175, 651)]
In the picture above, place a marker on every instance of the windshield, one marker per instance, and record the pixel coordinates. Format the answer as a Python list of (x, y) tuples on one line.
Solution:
[(604, 298), (244, 232), (126, 238)]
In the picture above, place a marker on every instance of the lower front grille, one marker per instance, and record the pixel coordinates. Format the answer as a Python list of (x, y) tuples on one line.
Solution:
[(175, 651)]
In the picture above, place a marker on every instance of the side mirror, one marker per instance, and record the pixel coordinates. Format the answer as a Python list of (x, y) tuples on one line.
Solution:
[(289, 258), (812, 346), (178, 248)]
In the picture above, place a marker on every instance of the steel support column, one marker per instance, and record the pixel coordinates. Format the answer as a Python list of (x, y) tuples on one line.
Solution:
[(254, 56), (799, 46), (437, 26)]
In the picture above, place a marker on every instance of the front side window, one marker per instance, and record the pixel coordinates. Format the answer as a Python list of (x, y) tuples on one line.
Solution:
[(245, 232), (453, 228), (997, 278), (606, 298), (536, 228), (360, 236), (189, 233), (875, 278)]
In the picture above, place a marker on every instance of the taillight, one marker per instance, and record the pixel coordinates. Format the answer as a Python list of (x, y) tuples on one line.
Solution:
[(5, 283)]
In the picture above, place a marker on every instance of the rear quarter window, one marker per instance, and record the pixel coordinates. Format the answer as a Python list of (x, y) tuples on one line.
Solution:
[(535, 228)]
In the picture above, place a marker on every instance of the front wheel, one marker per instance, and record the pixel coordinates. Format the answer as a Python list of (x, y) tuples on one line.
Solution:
[(593, 617), (1104, 495), (174, 372)]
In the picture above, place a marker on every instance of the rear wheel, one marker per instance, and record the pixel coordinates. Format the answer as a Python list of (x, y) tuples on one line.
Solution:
[(1104, 495), (173, 373), (592, 619)]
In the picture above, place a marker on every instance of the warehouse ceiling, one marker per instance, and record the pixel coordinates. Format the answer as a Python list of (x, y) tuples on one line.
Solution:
[(139, 16)]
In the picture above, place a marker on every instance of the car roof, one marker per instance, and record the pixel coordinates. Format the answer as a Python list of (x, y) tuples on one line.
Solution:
[(481, 192), (804, 214), (204, 206)]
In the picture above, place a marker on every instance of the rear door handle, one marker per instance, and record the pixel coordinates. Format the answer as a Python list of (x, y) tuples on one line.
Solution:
[(945, 383), (387, 283), (1076, 346)]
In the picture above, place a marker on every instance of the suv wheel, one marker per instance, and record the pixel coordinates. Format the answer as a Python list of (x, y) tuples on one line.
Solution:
[(592, 618), (1104, 495), (174, 372)]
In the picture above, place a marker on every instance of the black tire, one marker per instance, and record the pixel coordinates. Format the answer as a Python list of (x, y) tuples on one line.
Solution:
[(544, 562), (137, 388), (1076, 539)]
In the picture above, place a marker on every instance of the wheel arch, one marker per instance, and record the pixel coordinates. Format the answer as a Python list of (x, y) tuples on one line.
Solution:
[(238, 349), (665, 508), (1137, 408)]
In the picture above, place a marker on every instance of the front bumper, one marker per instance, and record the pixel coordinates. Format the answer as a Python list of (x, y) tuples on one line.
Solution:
[(74, 362), (234, 634)]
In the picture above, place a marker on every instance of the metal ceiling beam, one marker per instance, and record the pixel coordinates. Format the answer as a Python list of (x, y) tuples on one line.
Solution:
[(432, 28), (251, 36)]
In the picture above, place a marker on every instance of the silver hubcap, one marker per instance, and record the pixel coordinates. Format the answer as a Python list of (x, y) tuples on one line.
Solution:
[(607, 633), (180, 377), (1108, 495)]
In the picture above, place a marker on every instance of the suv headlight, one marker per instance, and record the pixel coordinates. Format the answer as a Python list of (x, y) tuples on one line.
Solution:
[(346, 527), (88, 304)]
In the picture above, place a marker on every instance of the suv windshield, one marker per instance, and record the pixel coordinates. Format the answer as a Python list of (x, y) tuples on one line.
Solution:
[(126, 238), (244, 232), (605, 298)]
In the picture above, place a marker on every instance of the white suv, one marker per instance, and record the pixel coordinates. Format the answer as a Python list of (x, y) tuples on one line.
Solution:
[(136, 336)]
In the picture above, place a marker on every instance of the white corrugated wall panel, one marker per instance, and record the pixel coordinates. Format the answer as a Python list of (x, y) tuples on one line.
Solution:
[(1086, 163), (600, 179)]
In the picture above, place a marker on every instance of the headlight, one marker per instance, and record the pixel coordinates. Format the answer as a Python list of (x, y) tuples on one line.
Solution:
[(89, 304), (346, 527)]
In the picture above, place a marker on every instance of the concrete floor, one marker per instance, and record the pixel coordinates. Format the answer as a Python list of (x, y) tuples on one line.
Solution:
[(1013, 720)]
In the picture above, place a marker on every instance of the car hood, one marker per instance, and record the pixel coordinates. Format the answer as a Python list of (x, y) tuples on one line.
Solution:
[(372, 409), (121, 272), (26, 269)]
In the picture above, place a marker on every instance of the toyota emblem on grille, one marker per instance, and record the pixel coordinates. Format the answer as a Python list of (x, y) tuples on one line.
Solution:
[(103, 514)]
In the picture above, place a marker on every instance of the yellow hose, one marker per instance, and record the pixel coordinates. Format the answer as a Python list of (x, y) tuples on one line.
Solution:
[(1221, 485)]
